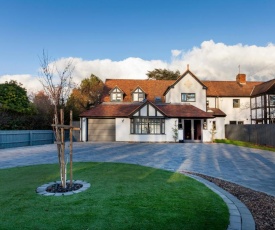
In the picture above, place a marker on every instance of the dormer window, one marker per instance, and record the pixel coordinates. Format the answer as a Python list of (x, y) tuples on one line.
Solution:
[(116, 95), (138, 95)]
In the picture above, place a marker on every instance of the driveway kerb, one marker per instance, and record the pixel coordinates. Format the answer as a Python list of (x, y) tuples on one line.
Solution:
[(240, 216)]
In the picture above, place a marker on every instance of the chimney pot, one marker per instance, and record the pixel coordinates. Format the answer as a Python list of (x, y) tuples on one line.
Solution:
[(241, 78)]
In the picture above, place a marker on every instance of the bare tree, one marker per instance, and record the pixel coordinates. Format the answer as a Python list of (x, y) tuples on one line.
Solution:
[(57, 83)]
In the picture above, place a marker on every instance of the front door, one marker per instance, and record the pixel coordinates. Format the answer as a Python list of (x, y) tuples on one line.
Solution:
[(192, 131), (197, 130), (187, 130)]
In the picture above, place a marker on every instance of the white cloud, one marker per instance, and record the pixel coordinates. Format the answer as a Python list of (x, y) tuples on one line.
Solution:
[(218, 61), (130, 68), (29, 82), (176, 53), (212, 61)]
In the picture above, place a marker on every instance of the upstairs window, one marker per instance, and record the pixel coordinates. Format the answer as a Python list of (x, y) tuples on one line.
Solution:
[(138, 95), (116, 95), (188, 97), (236, 103)]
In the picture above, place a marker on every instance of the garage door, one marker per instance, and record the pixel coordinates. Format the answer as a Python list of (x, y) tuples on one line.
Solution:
[(101, 130)]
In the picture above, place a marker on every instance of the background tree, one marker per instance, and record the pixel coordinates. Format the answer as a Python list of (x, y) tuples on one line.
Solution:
[(44, 110), (13, 98), (87, 94), (15, 107), (163, 74)]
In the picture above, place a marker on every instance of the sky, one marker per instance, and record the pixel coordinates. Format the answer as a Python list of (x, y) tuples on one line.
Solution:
[(126, 39)]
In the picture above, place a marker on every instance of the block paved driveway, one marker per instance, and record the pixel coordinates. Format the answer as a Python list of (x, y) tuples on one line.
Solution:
[(251, 168)]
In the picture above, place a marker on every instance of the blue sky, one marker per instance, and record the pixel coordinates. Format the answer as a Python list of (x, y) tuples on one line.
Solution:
[(120, 29), (113, 29)]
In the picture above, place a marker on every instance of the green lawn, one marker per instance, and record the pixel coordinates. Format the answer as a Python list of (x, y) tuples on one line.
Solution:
[(244, 144), (121, 196)]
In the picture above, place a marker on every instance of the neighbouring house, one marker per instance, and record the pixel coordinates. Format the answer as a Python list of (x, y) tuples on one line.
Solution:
[(186, 109), (263, 103)]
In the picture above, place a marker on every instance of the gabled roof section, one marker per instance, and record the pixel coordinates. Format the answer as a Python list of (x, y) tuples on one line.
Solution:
[(229, 88), (181, 77), (116, 87), (138, 87), (152, 88), (266, 87), (147, 103)]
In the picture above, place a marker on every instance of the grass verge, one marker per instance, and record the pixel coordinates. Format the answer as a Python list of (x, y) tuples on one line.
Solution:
[(121, 196), (244, 144)]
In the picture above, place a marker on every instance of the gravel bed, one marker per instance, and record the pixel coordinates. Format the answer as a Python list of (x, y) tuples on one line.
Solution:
[(261, 205)]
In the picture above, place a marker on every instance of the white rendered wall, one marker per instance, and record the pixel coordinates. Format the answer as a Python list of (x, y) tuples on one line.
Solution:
[(123, 132), (122, 129), (83, 132), (232, 114), (188, 84), (220, 129)]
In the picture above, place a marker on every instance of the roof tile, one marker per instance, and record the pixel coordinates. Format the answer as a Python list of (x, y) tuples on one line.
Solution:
[(183, 111), (152, 88), (111, 110), (126, 109), (229, 88)]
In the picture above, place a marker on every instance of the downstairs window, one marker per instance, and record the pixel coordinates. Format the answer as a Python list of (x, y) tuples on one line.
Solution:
[(147, 126)]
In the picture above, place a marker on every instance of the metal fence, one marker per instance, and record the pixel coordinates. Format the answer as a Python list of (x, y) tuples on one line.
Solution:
[(262, 134), (18, 138)]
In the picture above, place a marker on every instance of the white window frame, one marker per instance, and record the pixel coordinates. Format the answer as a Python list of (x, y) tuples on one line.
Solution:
[(188, 97), (138, 95), (116, 95), (236, 103)]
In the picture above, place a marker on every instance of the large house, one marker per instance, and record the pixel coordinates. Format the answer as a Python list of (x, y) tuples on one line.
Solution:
[(185, 110)]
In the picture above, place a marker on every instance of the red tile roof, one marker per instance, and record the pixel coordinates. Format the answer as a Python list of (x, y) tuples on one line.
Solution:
[(157, 88), (229, 88), (152, 88), (183, 111), (111, 110), (127, 109)]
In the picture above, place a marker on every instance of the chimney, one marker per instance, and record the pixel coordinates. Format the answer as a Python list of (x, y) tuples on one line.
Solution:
[(241, 79)]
